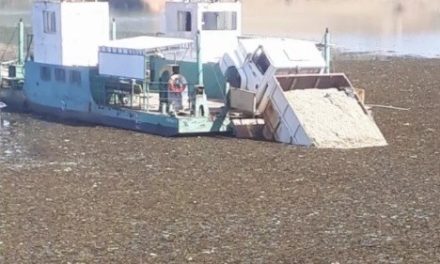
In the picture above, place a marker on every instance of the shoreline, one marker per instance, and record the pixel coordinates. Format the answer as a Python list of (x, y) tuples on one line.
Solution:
[(337, 54)]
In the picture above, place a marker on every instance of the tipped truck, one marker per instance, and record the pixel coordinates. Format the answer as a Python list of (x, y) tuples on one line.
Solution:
[(283, 82)]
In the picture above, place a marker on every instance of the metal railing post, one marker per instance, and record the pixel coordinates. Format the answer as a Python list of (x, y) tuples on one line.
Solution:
[(327, 51), (113, 29), (20, 42), (199, 58)]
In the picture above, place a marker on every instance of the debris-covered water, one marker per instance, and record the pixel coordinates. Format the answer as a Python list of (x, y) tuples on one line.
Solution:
[(75, 193), (72, 193), (15, 133)]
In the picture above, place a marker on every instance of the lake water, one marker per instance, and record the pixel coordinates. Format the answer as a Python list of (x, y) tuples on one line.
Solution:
[(401, 27), (15, 134)]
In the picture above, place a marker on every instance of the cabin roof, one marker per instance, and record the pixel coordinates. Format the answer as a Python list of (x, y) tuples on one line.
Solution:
[(144, 44), (286, 53)]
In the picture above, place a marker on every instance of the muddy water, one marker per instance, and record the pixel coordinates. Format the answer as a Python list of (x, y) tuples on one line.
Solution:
[(19, 145), (30, 141), (402, 27), (15, 134), (379, 26)]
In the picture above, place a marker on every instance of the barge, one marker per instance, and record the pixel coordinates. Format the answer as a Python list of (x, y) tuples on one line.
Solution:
[(199, 76)]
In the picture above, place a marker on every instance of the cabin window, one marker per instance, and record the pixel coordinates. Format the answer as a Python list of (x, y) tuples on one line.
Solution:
[(184, 22), (60, 75), (49, 22), (75, 77), (219, 21), (45, 73), (261, 61)]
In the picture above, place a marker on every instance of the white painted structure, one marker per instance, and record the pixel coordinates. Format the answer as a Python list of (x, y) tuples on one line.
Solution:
[(126, 57), (218, 24), (283, 56), (258, 61), (272, 71), (69, 33)]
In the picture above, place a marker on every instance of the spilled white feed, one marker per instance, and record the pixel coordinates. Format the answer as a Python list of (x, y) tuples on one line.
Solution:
[(332, 119)]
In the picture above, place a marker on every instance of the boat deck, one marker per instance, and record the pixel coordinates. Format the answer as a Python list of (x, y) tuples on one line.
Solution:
[(153, 105)]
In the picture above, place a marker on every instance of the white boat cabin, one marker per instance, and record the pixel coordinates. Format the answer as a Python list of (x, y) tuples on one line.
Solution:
[(218, 23), (68, 33), (127, 58)]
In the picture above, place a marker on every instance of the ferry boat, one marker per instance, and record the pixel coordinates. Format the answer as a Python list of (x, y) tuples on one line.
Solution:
[(199, 75)]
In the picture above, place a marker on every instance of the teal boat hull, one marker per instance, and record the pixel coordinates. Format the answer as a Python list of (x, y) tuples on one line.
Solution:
[(67, 100)]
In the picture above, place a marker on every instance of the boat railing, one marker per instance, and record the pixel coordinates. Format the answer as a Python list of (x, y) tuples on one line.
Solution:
[(4, 68)]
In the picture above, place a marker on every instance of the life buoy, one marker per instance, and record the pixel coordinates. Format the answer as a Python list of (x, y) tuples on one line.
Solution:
[(177, 83)]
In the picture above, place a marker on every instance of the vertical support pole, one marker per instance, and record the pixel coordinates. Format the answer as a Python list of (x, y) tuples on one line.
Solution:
[(147, 96), (147, 81), (145, 84), (2, 105), (327, 51), (228, 95), (133, 83), (113, 29), (199, 58), (20, 42), (145, 91)]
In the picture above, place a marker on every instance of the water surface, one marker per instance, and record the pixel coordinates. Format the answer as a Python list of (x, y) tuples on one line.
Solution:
[(401, 27)]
